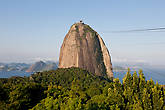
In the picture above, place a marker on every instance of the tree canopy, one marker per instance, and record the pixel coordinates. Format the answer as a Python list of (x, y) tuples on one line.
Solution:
[(75, 88)]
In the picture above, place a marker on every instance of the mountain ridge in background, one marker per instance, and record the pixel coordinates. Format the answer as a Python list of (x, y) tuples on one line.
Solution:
[(24, 67), (41, 66)]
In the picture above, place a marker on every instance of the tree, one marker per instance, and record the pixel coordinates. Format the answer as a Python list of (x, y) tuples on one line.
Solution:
[(115, 98), (146, 99), (142, 82), (117, 85), (135, 82), (127, 80), (25, 96), (157, 100), (137, 106)]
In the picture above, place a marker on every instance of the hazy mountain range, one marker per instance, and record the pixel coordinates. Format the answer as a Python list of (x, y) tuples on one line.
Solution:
[(51, 65), (23, 67), (157, 73)]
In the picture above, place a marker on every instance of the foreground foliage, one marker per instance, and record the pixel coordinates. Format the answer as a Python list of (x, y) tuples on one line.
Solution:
[(74, 88)]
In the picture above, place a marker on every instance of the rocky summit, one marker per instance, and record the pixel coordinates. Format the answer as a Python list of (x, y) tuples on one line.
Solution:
[(84, 48)]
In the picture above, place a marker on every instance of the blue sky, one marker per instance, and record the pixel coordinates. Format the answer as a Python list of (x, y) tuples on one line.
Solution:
[(31, 30)]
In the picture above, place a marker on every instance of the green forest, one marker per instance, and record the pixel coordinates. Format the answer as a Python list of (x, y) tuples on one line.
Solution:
[(78, 89)]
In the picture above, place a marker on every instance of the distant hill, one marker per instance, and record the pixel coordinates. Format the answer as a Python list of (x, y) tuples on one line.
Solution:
[(41, 66), (119, 68), (24, 67), (13, 67), (38, 66)]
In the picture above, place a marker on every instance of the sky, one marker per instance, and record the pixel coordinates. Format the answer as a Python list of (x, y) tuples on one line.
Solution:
[(32, 30)]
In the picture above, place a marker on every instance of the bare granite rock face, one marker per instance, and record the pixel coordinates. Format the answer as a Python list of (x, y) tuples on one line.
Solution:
[(84, 48)]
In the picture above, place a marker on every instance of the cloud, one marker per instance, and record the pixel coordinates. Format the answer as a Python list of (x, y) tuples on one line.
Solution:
[(35, 59), (125, 60)]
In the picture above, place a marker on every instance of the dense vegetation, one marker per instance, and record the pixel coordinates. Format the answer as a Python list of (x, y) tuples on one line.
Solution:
[(74, 88)]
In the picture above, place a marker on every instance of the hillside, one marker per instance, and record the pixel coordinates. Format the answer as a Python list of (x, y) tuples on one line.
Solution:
[(41, 66), (75, 88), (23, 67)]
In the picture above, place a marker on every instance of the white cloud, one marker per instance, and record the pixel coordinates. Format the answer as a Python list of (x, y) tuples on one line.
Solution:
[(125, 60), (35, 59)]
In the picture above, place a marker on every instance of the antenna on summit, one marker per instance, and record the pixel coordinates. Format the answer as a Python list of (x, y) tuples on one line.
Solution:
[(81, 21)]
